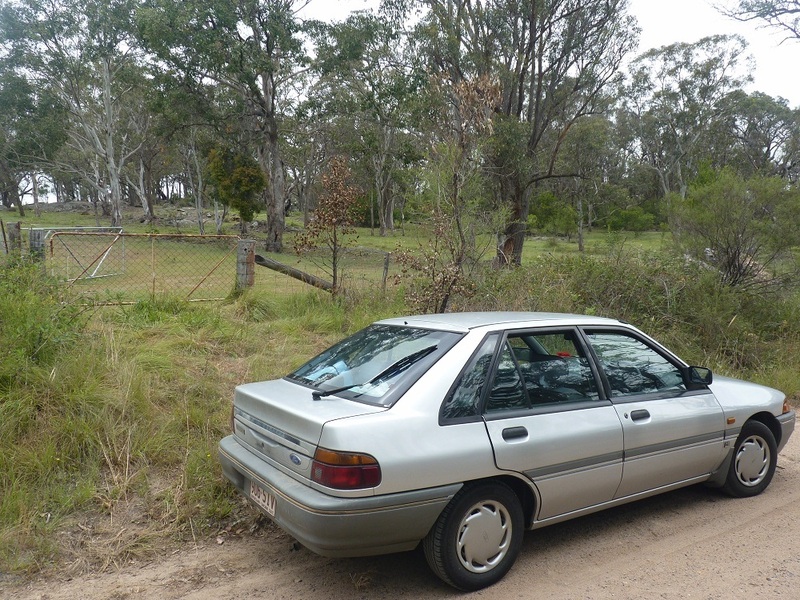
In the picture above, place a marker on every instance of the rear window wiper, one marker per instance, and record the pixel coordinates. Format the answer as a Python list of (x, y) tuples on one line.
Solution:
[(393, 369)]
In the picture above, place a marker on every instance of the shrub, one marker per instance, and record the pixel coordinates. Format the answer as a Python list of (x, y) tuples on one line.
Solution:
[(632, 219)]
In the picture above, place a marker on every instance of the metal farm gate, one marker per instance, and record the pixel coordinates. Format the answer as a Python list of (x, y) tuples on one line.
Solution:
[(112, 267)]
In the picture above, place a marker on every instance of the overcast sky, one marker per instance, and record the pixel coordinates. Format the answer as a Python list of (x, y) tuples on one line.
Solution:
[(666, 21)]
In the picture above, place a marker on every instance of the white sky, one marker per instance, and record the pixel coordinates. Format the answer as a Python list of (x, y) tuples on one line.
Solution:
[(664, 22)]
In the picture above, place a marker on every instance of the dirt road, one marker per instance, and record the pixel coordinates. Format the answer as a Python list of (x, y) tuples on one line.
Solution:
[(690, 544)]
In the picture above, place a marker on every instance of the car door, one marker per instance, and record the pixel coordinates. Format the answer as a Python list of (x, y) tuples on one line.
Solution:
[(671, 434), (546, 419)]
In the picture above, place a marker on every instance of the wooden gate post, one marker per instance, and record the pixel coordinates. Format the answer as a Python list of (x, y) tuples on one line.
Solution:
[(245, 264), (14, 242)]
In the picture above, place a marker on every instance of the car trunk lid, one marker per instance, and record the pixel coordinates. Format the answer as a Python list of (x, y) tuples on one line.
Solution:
[(281, 421)]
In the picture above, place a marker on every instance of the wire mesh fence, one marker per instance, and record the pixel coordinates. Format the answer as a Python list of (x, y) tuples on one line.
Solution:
[(124, 268), (112, 267)]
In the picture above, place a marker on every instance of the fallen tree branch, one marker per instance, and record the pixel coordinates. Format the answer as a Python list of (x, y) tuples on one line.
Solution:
[(295, 273)]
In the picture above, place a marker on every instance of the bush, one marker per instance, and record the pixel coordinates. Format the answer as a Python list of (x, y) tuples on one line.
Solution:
[(634, 219), (745, 229)]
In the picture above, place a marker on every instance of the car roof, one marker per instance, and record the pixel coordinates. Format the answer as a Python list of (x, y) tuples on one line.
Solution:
[(466, 321)]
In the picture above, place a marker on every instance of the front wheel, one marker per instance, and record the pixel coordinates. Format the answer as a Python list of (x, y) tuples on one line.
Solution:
[(477, 537), (754, 458)]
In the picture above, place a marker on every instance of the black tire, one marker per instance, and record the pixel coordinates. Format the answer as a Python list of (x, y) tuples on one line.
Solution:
[(753, 464), (477, 537)]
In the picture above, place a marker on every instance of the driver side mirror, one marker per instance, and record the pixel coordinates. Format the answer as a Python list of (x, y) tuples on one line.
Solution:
[(698, 376)]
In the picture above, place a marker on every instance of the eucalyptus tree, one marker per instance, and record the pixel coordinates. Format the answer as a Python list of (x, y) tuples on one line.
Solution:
[(675, 97), (85, 51), (370, 85), (189, 122), (783, 15), (31, 131), (591, 153), (766, 136), (552, 60), (252, 48)]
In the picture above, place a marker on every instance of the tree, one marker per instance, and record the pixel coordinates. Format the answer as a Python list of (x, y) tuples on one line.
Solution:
[(765, 133), (743, 228), (32, 127), (370, 80), (552, 60), (251, 48), (333, 219), (675, 96), (783, 15), (84, 51), (455, 191), (238, 181), (590, 154)]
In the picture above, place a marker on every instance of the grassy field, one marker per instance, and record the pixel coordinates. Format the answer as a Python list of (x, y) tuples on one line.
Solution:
[(110, 416)]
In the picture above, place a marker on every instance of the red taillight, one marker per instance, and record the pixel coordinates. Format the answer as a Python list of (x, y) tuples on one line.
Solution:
[(345, 470)]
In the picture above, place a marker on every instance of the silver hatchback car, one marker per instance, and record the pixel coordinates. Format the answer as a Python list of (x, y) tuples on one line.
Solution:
[(462, 430)]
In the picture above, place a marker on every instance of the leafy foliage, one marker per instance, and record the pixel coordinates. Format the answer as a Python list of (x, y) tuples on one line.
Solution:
[(238, 181), (332, 223), (436, 272), (742, 228), (783, 15)]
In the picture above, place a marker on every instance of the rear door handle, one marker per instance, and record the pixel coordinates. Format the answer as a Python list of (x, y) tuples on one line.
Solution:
[(639, 415), (514, 433)]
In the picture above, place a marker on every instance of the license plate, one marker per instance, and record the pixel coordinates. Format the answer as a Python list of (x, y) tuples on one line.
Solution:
[(263, 498)]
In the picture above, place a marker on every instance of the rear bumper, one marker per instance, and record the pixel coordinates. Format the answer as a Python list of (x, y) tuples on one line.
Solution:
[(331, 526), (787, 422)]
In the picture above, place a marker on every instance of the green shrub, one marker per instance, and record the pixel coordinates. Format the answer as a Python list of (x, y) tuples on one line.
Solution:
[(634, 219)]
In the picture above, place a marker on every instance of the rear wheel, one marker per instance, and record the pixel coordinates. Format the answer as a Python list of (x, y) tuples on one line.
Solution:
[(477, 537), (754, 458)]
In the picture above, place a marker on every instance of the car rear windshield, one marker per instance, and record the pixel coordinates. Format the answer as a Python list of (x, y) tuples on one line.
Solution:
[(377, 364)]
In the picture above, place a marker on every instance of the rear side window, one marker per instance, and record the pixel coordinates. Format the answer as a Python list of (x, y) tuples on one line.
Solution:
[(464, 401), (541, 369)]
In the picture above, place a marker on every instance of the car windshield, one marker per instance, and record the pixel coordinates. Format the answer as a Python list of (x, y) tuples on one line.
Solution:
[(375, 362)]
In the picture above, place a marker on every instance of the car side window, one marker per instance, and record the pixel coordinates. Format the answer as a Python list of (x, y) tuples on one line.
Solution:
[(464, 400), (541, 369), (632, 367)]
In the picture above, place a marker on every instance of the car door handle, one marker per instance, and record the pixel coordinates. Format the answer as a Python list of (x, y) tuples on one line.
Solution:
[(513, 433), (639, 415)]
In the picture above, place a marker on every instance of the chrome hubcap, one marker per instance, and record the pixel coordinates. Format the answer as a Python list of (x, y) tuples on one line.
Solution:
[(484, 536), (752, 461)]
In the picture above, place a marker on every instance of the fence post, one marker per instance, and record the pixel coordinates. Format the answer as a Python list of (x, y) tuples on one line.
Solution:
[(14, 238), (36, 243), (245, 264), (385, 272)]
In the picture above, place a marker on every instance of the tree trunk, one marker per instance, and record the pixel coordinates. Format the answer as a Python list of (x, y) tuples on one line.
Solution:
[(35, 192), (509, 247), (108, 152), (15, 199), (272, 165)]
